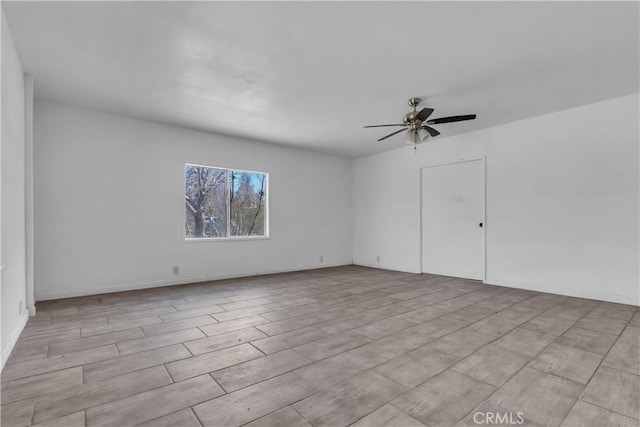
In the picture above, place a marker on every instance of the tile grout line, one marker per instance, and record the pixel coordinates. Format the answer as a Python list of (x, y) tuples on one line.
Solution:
[(196, 415), (109, 401), (164, 366), (519, 370), (594, 371), (370, 293), (252, 345), (606, 409)]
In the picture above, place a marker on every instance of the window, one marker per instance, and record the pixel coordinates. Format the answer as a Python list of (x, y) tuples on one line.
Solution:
[(222, 203)]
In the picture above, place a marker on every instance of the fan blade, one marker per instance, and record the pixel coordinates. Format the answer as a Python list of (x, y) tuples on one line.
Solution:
[(431, 131), (424, 114), (391, 134), (451, 119), (379, 126)]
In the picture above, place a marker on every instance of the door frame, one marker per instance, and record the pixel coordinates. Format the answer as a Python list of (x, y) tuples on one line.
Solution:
[(483, 159)]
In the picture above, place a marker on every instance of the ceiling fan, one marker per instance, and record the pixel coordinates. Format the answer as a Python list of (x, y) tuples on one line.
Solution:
[(415, 123)]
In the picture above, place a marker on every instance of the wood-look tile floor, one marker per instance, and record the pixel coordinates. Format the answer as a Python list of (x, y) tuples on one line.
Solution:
[(332, 347)]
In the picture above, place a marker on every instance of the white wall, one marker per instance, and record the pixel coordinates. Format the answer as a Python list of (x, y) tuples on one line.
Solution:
[(562, 201), (12, 196), (28, 191), (109, 204)]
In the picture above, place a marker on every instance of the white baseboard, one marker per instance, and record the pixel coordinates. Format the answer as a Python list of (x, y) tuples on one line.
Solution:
[(6, 351), (537, 287), (182, 281), (601, 296), (383, 267), (120, 288), (278, 271), (553, 289)]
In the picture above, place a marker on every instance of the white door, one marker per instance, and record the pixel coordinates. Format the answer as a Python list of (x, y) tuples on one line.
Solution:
[(453, 219)]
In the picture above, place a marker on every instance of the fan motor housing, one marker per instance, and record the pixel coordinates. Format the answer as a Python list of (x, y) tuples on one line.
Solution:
[(409, 117)]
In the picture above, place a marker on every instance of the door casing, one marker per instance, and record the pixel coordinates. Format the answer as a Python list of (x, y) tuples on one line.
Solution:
[(483, 159)]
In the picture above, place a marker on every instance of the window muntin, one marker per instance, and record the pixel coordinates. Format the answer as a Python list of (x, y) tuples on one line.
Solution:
[(224, 203)]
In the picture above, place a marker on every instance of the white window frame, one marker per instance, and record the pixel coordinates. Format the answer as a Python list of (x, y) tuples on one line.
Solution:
[(228, 237)]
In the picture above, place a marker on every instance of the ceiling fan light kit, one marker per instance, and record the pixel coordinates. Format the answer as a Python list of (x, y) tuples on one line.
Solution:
[(411, 137), (416, 124)]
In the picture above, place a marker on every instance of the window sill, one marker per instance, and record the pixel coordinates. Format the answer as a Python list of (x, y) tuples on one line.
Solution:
[(225, 239)]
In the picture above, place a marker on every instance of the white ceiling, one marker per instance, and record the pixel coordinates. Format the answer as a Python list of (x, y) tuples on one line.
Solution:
[(311, 74)]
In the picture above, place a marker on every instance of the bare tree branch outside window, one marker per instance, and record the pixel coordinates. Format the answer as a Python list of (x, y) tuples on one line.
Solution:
[(210, 213)]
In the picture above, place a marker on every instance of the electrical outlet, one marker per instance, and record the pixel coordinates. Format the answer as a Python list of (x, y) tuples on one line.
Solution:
[(321, 258), (378, 259), (20, 307), (176, 269)]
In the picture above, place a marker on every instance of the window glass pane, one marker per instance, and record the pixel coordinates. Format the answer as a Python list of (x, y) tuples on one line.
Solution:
[(248, 201), (206, 202)]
